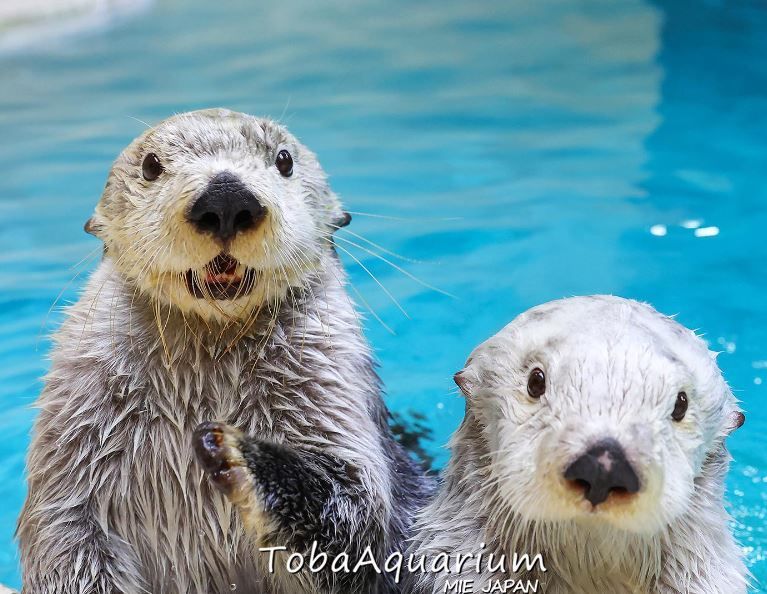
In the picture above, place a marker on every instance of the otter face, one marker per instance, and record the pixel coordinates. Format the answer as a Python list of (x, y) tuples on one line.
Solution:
[(216, 213), (597, 409)]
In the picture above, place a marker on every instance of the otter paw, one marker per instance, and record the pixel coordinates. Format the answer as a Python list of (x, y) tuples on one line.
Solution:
[(219, 452)]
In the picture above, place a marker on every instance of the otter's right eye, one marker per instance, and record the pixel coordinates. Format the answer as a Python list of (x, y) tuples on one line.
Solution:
[(284, 163), (151, 168), (680, 407), (536, 383)]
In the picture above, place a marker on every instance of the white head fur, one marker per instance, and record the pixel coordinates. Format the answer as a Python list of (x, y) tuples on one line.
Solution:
[(613, 370), (145, 222)]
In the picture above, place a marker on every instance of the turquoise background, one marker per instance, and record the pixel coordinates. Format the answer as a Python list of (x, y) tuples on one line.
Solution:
[(530, 150)]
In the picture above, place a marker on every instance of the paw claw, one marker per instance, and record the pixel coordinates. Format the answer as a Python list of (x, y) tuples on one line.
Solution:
[(217, 450)]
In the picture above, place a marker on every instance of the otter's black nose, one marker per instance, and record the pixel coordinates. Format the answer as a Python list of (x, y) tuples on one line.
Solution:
[(225, 208), (603, 469)]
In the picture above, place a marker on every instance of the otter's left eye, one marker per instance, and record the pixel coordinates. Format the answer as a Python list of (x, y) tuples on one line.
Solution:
[(151, 168), (680, 408), (536, 383), (284, 163)]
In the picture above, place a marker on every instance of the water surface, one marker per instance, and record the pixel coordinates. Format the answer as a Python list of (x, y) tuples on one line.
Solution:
[(531, 150)]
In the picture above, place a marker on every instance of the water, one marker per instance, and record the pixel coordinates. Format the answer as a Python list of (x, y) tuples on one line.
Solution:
[(536, 149)]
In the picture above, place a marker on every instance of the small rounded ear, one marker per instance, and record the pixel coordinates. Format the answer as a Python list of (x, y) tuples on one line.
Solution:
[(735, 421), (342, 220), (92, 226), (466, 380)]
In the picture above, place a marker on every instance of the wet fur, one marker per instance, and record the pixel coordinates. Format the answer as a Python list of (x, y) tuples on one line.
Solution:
[(116, 501), (685, 546)]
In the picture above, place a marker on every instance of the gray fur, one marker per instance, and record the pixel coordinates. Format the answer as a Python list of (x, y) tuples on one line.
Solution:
[(608, 375), (116, 501)]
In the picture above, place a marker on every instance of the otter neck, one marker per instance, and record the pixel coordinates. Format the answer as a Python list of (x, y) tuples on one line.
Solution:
[(298, 310), (313, 353)]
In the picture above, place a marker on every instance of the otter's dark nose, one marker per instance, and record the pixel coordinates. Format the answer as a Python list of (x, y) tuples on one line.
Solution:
[(225, 208), (602, 470)]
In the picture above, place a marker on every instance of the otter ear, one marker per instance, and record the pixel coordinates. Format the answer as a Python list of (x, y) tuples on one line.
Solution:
[(735, 421), (93, 227), (338, 218), (342, 220), (466, 380)]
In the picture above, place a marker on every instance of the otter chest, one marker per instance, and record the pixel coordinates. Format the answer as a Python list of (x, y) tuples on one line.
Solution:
[(185, 534)]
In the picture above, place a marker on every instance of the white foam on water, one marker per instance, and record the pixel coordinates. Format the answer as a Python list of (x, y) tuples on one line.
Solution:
[(707, 232), (30, 24)]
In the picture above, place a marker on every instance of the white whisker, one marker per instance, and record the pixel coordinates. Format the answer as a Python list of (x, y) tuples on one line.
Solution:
[(396, 267), (373, 276)]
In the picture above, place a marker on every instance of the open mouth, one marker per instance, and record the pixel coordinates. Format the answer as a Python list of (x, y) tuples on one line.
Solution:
[(223, 278)]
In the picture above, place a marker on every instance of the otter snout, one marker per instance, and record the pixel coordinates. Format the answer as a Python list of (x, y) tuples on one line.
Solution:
[(226, 207), (602, 470)]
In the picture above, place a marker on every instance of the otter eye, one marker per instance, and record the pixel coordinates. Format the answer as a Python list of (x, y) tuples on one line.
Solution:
[(284, 163), (536, 383), (151, 168), (680, 408)]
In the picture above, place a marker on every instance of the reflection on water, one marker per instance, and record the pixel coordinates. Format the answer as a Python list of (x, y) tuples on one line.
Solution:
[(534, 150)]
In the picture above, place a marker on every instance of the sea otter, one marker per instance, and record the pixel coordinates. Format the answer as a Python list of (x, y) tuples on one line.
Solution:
[(594, 436), (220, 298)]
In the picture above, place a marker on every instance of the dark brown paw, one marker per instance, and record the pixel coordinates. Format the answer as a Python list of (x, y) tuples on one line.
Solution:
[(218, 452)]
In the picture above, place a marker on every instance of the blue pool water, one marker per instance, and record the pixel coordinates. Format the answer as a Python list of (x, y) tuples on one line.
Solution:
[(531, 150)]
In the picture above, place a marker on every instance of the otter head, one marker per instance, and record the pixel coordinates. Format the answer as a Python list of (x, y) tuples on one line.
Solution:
[(598, 409), (216, 213)]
